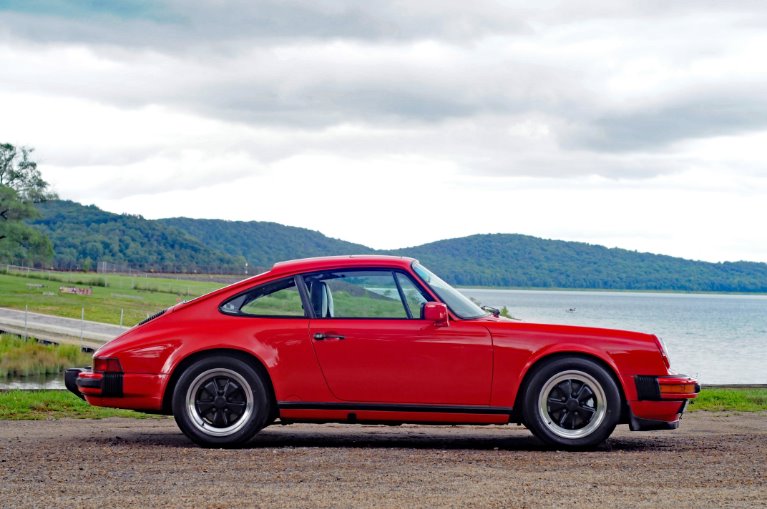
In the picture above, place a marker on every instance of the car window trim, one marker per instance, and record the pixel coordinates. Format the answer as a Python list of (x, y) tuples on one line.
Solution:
[(402, 295), (255, 288), (426, 294)]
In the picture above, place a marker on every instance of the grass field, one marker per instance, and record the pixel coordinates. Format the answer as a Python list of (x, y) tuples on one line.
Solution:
[(736, 400), (19, 405), (20, 357), (41, 405), (136, 297)]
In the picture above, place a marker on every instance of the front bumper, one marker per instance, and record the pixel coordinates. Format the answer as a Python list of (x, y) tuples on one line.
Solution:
[(661, 401), (665, 388), (85, 382)]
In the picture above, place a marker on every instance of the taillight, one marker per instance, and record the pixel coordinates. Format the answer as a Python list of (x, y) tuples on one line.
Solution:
[(102, 365)]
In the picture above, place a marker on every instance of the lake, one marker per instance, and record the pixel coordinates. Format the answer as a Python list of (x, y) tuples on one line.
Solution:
[(720, 339)]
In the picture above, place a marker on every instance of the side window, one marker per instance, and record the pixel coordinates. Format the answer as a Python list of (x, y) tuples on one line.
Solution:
[(280, 298), (355, 294), (413, 295)]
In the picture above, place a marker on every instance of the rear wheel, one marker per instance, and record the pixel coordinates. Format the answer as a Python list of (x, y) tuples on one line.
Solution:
[(220, 401), (572, 403)]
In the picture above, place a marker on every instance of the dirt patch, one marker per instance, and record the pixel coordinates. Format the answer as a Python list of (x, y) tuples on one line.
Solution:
[(714, 460)]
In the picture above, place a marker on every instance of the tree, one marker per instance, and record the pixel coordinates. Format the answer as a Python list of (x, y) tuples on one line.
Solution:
[(21, 185), (20, 173)]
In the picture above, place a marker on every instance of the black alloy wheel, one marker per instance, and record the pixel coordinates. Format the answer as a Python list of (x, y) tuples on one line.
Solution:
[(571, 403), (221, 401)]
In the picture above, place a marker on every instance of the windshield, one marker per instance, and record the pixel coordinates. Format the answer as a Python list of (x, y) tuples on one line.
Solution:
[(454, 299)]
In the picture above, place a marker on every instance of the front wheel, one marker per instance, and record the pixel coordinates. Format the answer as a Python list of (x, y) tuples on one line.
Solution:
[(220, 401), (571, 403)]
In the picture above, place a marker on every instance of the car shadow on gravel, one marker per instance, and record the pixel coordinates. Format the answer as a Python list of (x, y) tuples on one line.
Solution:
[(393, 440), (377, 438)]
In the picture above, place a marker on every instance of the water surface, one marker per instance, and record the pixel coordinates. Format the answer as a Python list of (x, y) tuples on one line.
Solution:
[(720, 339)]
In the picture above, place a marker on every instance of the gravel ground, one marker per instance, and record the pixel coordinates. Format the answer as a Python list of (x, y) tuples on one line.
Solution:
[(714, 460)]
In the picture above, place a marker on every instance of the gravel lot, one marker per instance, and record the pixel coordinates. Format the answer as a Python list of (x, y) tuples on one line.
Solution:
[(714, 460)]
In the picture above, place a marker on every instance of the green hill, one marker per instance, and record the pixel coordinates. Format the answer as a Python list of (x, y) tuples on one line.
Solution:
[(263, 243), (85, 235), (524, 261)]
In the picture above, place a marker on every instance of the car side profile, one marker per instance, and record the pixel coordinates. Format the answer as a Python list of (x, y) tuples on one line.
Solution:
[(377, 339)]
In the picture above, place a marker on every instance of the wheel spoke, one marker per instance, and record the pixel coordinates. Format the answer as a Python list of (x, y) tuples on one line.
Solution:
[(584, 393), (555, 404), (567, 388), (563, 418), (586, 411), (236, 408), (204, 406), (219, 419), (572, 419), (230, 388), (212, 388)]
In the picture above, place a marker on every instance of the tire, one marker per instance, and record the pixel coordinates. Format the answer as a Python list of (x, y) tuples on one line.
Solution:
[(571, 403), (221, 401)]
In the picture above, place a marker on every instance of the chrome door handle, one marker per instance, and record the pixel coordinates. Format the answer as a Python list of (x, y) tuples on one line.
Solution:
[(320, 336)]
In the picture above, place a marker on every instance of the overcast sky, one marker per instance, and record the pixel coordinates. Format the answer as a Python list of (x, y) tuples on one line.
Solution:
[(640, 125)]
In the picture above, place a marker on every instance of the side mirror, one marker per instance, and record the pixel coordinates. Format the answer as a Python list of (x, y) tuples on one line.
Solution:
[(436, 312)]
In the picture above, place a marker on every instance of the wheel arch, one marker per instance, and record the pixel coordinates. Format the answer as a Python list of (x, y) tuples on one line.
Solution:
[(546, 358), (187, 361)]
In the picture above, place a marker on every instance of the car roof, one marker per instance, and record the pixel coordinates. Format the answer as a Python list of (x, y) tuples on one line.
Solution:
[(332, 262)]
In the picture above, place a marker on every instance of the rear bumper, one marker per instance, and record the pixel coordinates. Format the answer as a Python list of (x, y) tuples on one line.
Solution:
[(661, 401), (134, 391), (84, 382)]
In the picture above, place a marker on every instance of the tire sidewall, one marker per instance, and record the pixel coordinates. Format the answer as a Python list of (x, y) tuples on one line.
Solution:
[(261, 403), (535, 385)]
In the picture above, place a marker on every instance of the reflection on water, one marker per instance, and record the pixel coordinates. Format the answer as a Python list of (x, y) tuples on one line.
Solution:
[(54, 381)]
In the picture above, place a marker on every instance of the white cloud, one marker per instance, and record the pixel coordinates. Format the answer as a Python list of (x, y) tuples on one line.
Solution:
[(631, 124)]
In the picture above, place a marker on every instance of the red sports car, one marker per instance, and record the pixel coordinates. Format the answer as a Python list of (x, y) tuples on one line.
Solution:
[(378, 339)]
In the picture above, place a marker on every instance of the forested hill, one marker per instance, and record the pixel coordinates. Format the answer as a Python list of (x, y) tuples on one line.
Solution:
[(524, 261), (83, 236), (263, 243)]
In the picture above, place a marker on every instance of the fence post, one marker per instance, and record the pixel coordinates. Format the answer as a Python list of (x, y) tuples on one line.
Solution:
[(122, 314), (26, 311), (82, 326)]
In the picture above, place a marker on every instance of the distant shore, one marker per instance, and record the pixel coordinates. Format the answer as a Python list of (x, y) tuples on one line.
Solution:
[(603, 290)]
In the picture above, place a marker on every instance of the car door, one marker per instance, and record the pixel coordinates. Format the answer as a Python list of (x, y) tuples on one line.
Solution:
[(373, 346)]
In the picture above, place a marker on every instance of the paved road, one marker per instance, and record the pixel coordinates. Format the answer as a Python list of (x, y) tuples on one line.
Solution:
[(58, 329)]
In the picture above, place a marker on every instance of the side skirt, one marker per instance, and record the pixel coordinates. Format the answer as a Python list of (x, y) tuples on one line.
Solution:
[(378, 413)]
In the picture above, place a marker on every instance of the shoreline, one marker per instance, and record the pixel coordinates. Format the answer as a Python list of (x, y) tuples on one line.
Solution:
[(608, 290)]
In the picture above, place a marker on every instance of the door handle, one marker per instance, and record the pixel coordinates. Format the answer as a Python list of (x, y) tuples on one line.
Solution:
[(320, 336)]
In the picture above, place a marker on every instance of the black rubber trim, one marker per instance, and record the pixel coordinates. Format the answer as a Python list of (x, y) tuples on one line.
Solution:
[(647, 388), (150, 318), (111, 385), (70, 381), (638, 424), (89, 383), (383, 407)]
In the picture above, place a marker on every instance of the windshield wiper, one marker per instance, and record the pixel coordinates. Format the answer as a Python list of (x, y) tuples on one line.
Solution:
[(493, 311)]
